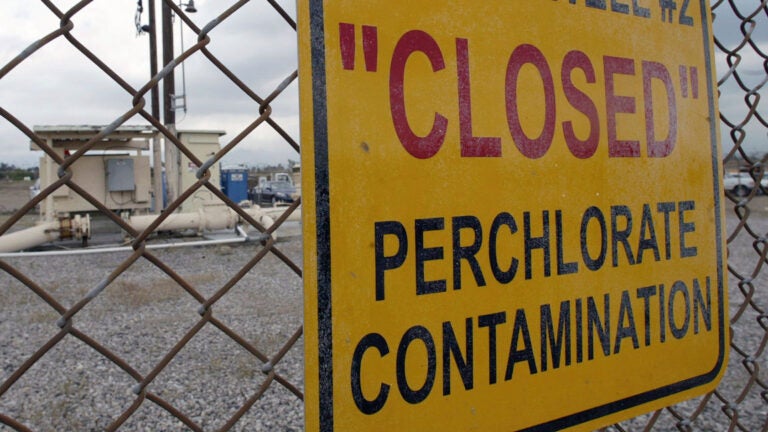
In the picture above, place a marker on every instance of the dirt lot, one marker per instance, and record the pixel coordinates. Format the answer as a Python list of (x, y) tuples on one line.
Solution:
[(13, 195)]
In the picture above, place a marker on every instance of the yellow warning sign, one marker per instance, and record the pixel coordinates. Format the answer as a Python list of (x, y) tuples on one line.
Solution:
[(512, 212)]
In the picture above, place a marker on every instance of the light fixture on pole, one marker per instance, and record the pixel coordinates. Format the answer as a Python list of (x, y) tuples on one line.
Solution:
[(190, 6)]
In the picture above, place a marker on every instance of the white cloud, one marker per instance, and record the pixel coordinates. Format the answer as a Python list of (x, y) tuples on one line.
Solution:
[(59, 85)]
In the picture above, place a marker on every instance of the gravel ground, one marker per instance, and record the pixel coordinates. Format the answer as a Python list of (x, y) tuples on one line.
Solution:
[(139, 318), (144, 313)]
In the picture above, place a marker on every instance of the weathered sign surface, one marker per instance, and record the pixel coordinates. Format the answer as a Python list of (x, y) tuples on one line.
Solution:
[(512, 212)]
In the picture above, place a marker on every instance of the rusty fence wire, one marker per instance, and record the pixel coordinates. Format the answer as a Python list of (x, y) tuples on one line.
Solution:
[(211, 338)]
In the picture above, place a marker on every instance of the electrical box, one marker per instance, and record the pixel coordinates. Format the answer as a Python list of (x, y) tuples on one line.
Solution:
[(115, 172), (121, 183), (120, 175)]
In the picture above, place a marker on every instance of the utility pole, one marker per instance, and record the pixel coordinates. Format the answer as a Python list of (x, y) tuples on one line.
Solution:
[(157, 164), (155, 92), (169, 114), (172, 154)]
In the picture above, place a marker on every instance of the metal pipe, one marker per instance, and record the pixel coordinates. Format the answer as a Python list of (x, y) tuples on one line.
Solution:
[(207, 218), (30, 237), (78, 227), (276, 212), (96, 250)]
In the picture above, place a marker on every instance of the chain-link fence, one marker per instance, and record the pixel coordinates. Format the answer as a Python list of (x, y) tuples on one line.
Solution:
[(208, 337)]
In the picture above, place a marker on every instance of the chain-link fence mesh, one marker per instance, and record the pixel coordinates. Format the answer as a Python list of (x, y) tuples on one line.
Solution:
[(210, 337)]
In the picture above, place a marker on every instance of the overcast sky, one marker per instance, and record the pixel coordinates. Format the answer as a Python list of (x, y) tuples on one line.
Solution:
[(59, 86)]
